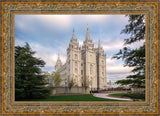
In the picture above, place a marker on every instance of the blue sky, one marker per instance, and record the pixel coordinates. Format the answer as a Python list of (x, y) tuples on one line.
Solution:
[(49, 35)]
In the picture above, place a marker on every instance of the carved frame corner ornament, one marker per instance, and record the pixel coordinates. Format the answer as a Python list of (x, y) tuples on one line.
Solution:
[(10, 9)]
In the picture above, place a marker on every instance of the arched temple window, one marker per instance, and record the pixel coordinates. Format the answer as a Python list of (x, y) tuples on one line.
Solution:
[(91, 69), (76, 64), (76, 70), (103, 71), (102, 62), (76, 56)]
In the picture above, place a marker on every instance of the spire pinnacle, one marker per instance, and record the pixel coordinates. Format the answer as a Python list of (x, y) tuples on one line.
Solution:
[(87, 27), (59, 60), (73, 36)]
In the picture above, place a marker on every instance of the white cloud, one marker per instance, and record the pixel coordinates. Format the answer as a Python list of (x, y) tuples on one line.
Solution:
[(24, 23), (19, 42), (101, 19), (119, 68), (48, 54), (116, 70), (119, 44), (54, 21), (115, 77), (119, 19), (80, 43), (136, 44), (115, 66), (27, 22), (50, 59), (110, 61), (113, 45)]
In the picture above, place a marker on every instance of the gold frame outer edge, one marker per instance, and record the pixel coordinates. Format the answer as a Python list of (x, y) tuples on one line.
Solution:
[(150, 106)]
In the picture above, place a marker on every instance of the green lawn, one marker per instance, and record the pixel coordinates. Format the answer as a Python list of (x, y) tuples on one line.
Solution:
[(117, 94), (85, 97)]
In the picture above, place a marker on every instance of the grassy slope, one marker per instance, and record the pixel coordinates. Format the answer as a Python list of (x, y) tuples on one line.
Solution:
[(85, 97)]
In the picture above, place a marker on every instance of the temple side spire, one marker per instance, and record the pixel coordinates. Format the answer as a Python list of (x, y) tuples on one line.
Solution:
[(73, 35), (99, 44), (58, 63)]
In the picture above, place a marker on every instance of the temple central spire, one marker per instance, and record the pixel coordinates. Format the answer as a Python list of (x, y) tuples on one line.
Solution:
[(87, 35)]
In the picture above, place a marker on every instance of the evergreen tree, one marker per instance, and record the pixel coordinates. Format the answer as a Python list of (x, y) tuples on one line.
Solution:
[(29, 80), (134, 57)]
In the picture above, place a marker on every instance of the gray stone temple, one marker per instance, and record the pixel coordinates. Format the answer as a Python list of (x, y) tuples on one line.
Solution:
[(85, 66)]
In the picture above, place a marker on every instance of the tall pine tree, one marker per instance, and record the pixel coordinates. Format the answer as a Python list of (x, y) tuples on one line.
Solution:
[(134, 57), (29, 80)]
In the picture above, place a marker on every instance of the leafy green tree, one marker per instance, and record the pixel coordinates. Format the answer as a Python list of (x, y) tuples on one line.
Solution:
[(57, 79), (49, 78), (134, 57), (70, 84), (29, 80)]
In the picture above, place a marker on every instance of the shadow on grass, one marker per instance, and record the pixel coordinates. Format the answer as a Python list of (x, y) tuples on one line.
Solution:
[(84, 97)]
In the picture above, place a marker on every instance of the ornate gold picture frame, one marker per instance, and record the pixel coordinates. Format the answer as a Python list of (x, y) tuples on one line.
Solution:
[(11, 8)]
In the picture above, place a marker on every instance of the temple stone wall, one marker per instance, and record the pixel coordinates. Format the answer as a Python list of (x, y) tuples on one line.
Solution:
[(73, 90)]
